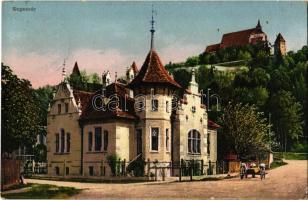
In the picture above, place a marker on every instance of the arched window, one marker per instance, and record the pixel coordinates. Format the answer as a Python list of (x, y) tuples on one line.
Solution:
[(194, 142)]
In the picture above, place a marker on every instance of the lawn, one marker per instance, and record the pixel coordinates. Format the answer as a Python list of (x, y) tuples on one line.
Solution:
[(43, 191), (291, 155)]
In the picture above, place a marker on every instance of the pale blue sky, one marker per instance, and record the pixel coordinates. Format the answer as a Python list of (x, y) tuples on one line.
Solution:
[(110, 35)]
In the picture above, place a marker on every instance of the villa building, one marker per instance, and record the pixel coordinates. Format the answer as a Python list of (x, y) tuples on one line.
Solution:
[(149, 115)]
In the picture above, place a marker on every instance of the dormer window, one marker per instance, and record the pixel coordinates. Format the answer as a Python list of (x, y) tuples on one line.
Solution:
[(66, 107), (59, 108), (154, 105)]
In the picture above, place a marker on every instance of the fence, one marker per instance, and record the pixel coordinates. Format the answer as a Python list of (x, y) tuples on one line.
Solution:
[(10, 172)]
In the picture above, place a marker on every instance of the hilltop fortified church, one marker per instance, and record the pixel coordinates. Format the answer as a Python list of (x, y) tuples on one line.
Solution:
[(150, 117)]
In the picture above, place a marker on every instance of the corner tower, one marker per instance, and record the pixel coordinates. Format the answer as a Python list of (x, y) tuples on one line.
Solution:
[(153, 89)]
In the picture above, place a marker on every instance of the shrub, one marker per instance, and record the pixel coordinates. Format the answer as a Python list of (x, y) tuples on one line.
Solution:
[(114, 164)]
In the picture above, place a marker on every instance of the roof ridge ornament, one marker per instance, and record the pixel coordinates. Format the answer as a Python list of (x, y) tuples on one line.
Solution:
[(63, 71)]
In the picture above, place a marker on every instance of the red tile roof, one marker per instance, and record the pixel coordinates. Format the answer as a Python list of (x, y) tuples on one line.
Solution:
[(212, 48), (85, 98), (76, 69), (212, 125), (125, 107), (238, 38), (153, 72)]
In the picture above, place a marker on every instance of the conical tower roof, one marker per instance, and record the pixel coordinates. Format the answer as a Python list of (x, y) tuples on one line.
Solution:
[(279, 38), (153, 73), (76, 69)]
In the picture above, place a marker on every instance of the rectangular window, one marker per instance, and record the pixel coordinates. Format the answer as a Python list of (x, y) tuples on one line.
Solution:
[(167, 139), (105, 140), (68, 142), (154, 139), (59, 108), (167, 106), (194, 142), (154, 105), (57, 142), (67, 170), (98, 139), (91, 171), (62, 140), (90, 137), (66, 107)]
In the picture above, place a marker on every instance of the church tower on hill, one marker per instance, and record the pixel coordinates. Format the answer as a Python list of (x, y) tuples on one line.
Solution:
[(280, 45)]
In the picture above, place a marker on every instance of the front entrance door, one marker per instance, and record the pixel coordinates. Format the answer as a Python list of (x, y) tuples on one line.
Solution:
[(139, 141)]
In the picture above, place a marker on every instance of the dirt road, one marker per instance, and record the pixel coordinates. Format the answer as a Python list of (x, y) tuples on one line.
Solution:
[(286, 182)]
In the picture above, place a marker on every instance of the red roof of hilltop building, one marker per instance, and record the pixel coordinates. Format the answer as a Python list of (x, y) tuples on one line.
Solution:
[(239, 38), (153, 72)]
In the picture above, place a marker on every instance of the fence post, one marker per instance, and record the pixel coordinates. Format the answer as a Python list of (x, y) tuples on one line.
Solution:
[(191, 170), (163, 173), (155, 167), (124, 167), (148, 168), (202, 164)]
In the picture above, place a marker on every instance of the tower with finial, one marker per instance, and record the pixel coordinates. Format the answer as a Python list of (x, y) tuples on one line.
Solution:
[(153, 88), (280, 45), (152, 28), (63, 72)]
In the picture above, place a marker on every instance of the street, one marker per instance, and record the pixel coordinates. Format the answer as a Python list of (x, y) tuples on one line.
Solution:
[(286, 182)]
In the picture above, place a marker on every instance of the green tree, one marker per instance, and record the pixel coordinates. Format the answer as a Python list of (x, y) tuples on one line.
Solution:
[(40, 153), (192, 61), (286, 117), (20, 113), (95, 78), (246, 130)]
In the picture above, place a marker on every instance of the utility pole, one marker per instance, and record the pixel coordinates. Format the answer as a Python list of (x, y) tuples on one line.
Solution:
[(269, 130)]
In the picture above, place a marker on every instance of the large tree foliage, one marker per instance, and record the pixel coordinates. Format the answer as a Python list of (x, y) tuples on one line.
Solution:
[(20, 114), (84, 81), (245, 129), (286, 118)]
